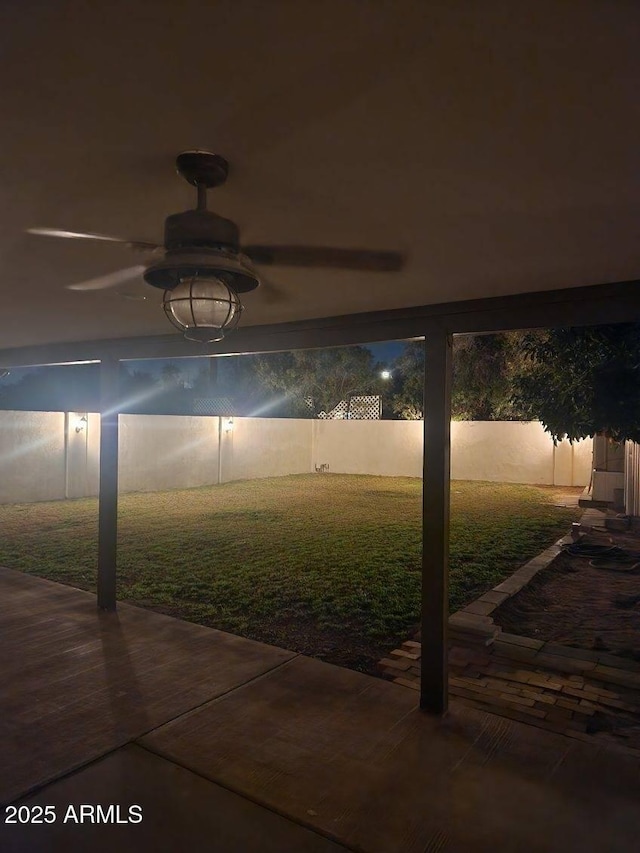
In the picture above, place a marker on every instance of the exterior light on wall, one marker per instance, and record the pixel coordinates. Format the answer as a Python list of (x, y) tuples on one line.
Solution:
[(228, 425), (81, 423)]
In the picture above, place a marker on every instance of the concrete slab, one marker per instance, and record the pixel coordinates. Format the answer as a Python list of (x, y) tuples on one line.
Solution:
[(77, 684), (353, 756), (179, 812), (343, 754)]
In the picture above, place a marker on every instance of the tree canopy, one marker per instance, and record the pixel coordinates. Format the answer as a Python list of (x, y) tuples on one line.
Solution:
[(408, 382), (308, 382), (484, 368), (576, 381), (583, 381), (73, 387)]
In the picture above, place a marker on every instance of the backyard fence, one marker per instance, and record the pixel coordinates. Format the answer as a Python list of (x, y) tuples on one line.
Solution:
[(55, 455)]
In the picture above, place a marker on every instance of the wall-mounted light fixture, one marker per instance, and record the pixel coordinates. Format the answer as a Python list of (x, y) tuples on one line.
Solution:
[(81, 423)]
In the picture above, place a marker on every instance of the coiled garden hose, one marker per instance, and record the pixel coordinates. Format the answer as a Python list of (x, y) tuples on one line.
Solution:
[(609, 557)]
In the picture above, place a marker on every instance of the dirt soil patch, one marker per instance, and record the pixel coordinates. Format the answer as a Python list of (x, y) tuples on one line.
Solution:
[(575, 604)]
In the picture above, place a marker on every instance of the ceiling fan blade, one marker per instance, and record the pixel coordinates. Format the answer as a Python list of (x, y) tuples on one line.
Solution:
[(272, 293), (112, 279), (324, 256), (141, 245)]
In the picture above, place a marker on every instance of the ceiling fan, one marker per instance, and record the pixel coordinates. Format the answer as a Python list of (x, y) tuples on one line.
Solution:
[(202, 267)]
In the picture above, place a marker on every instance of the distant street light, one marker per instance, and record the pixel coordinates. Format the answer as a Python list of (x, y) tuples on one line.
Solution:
[(386, 374)]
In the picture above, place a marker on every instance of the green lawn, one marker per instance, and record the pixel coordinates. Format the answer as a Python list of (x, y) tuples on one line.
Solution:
[(326, 564)]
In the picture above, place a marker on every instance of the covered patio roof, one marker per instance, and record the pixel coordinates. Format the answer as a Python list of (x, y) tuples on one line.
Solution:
[(497, 149)]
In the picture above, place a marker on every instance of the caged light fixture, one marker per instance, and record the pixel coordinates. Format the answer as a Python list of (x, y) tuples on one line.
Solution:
[(203, 306)]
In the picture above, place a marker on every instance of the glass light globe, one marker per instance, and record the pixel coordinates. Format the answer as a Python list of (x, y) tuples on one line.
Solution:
[(203, 307)]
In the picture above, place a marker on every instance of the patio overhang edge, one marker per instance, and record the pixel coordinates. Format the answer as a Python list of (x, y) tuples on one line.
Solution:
[(615, 302)]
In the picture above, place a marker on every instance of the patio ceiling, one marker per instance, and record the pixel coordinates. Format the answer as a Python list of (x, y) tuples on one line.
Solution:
[(497, 145)]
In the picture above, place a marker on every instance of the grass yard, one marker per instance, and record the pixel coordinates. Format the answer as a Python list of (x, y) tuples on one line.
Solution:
[(325, 564)]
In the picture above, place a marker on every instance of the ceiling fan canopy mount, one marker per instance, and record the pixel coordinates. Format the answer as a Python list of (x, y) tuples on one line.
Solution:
[(202, 168)]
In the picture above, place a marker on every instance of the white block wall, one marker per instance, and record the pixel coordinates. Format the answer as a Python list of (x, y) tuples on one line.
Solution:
[(32, 456), (516, 452), (267, 447), (159, 452), (42, 457), (498, 451), (388, 448)]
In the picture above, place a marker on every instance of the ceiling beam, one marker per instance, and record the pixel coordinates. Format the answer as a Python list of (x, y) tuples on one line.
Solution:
[(577, 306)]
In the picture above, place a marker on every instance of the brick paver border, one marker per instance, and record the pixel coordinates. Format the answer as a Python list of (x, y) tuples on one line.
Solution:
[(590, 695)]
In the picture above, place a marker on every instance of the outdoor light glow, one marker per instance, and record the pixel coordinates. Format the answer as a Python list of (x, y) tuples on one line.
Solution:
[(203, 307), (386, 374)]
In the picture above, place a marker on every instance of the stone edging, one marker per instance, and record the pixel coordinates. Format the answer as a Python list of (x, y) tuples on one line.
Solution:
[(580, 693), (474, 622), (474, 626)]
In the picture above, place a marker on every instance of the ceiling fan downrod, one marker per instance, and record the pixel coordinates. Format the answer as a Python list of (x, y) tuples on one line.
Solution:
[(202, 197)]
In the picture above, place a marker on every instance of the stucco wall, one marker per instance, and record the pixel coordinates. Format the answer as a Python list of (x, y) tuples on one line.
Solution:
[(83, 454), (387, 448), (577, 471), (170, 452), (167, 452), (515, 452), (32, 457), (267, 447), (498, 451)]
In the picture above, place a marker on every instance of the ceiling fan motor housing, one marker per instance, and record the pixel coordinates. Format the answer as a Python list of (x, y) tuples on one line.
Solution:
[(201, 243), (231, 268), (200, 228)]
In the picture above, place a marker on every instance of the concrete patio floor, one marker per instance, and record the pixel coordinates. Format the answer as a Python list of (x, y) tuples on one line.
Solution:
[(230, 745)]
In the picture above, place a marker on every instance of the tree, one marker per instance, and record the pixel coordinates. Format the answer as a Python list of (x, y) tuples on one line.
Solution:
[(171, 377), (483, 367), (408, 382), (203, 384), (582, 381), (141, 392), (308, 382), (72, 387), (138, 390), (484, 372)]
